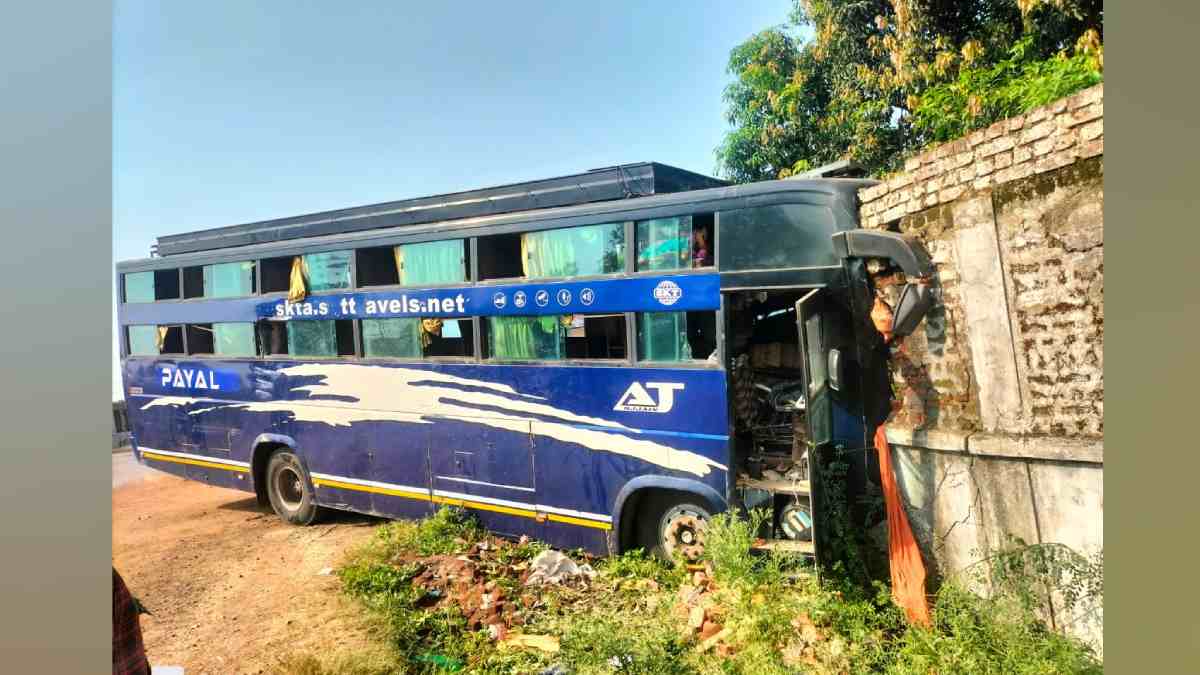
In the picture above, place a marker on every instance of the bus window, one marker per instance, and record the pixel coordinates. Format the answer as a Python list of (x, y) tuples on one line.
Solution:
[(277, 274), (200, 338), (328, 271), (413, 338), (170, 339), (565, 252), (222, 339), (307, 338), (678, 243), (143, 340), (223, 280), (569, 336), (799, 236), (677, 336), (596, 336), (455, 338), (395, 338), (152, 286), (432, 262), (376, 266)]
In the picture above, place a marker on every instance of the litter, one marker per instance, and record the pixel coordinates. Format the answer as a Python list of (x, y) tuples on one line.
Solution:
[(545, 643), (552, 567)]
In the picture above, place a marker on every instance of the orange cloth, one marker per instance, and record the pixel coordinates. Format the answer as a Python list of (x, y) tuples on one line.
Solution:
[(908, 570)]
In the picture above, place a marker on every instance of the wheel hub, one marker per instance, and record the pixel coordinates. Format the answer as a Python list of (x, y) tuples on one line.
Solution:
[(685, 535)]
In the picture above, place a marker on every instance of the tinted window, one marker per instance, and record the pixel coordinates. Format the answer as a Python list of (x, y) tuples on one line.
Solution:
[(327, 271), (229, 280), (320, 338), (678, 243), (676, 336), (139, 287), (234, 339), (766, 237), (396, 338), (143, 340), (431, 263), (574, 251)]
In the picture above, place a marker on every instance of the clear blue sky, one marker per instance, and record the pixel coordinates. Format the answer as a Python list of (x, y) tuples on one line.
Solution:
[(229, 112)]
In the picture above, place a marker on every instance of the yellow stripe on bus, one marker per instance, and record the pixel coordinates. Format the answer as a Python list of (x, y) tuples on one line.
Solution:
[(454, 501), (371, 488), (196, 462)]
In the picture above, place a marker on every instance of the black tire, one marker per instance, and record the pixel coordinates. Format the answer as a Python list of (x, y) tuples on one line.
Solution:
[(664, 512), (289, 489)]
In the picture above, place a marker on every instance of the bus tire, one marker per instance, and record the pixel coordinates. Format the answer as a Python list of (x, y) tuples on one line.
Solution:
[(674, 524), (289, 490)]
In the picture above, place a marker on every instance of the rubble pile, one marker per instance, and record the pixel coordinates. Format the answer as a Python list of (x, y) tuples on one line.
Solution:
[(491, 585)]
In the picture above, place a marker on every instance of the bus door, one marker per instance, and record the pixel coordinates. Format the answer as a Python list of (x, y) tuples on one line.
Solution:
[(834, 408), (489, 470)]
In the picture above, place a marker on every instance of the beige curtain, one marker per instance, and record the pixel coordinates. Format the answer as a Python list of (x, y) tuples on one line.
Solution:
[(161, 337), (399, 252), (297, 290)]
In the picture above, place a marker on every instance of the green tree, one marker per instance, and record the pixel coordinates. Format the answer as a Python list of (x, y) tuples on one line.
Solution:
[(875, 80)]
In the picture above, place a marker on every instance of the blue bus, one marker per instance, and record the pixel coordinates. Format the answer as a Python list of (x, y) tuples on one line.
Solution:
[(600, 361)]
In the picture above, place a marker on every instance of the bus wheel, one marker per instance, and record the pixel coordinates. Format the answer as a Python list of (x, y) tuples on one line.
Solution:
[(290, 495), (679, 529)]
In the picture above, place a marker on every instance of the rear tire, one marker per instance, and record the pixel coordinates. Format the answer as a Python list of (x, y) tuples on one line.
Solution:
[(289, 489), (673, 525)]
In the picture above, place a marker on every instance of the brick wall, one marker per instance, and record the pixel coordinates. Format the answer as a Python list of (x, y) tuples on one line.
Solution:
[(998, 429), (1012, 216)]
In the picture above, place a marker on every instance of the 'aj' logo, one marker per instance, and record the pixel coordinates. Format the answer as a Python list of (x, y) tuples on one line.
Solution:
[(637, 399)]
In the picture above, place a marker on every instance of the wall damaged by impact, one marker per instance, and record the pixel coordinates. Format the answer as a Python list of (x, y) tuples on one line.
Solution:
[(999, 421)]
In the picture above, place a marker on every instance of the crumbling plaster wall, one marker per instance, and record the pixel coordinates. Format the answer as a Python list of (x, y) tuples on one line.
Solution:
[(998, 430)]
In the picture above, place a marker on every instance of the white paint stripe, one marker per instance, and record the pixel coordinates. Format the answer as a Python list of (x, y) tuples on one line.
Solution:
[(484, 483), (523, 505), (369, 483), (204, 458)]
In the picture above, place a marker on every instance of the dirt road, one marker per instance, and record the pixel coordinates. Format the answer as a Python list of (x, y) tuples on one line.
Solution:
[(232, 588)]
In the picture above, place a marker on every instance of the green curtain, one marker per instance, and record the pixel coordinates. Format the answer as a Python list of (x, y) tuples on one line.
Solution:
[(229, 280), (143, 340), (328, 271), (396, 338), (574, 251), (234, 339), (664, 244), (526, 337), (662, 336), (312, 338), (432, 262), (139, 287)]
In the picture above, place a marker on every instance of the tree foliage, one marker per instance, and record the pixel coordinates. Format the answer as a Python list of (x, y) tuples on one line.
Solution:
[(875, 80)]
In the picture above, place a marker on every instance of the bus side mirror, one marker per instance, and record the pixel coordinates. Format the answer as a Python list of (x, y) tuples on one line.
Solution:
[(915, 302), (835, 370)]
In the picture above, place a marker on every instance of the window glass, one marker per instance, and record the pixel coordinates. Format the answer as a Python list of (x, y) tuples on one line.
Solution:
[(430, 263), (234, 339), (312, 338), (664, 244), (526, 337), (139, 287), (574, 251), (677, 336), (396, 338), (143, 340), (787, 235), (327, 271), (229, 280)]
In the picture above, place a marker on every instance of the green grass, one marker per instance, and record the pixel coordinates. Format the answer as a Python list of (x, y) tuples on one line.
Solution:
[(627, 622)]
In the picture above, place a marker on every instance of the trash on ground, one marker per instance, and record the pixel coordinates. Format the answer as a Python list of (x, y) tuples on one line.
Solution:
[(552, 567), (545, 643)]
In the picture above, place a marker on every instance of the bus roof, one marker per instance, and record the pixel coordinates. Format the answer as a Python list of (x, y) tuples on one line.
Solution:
[(376, 229), (597, 185)]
